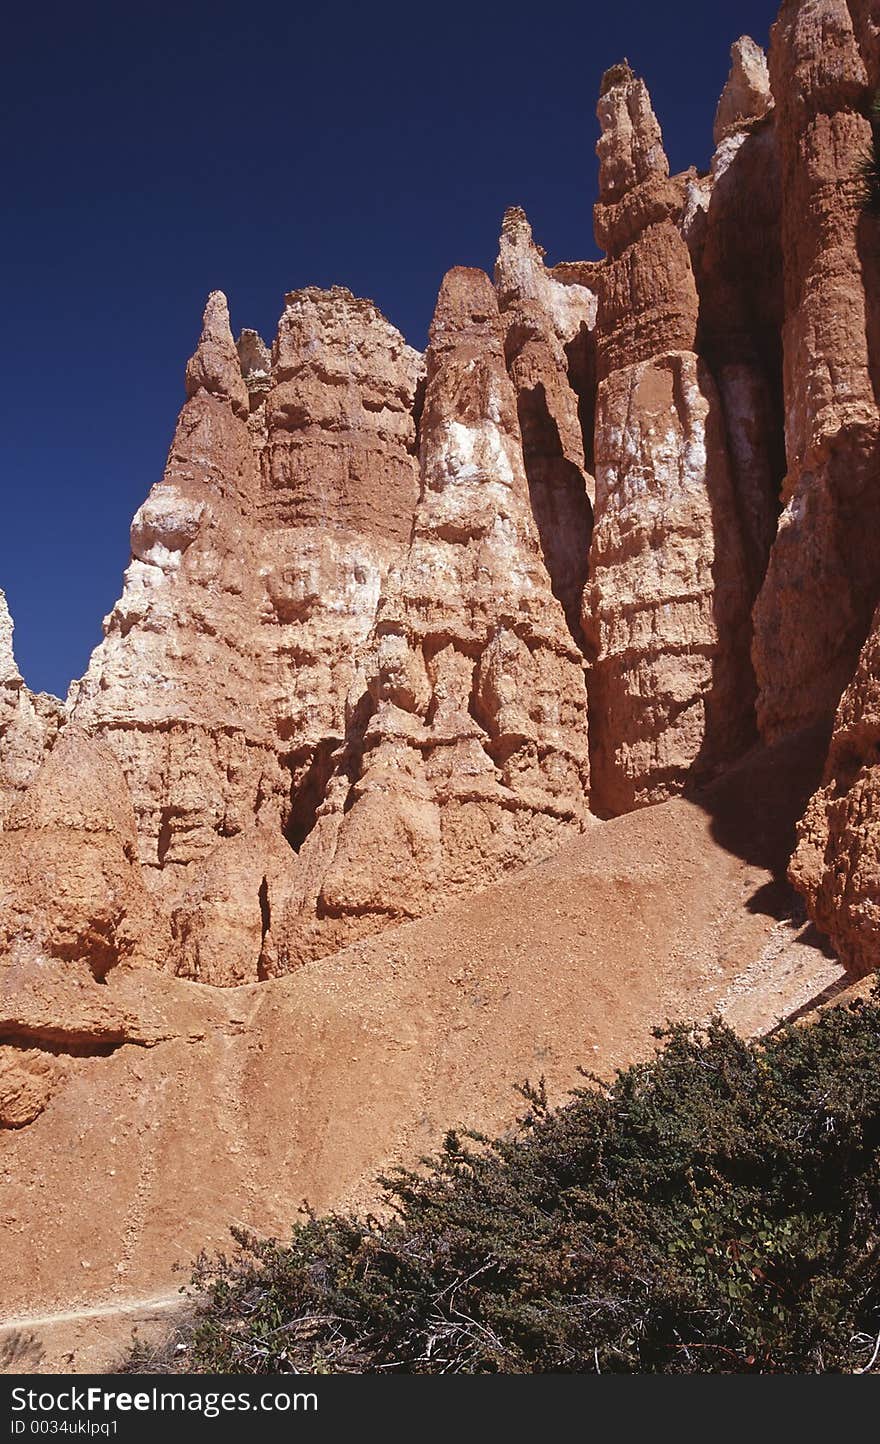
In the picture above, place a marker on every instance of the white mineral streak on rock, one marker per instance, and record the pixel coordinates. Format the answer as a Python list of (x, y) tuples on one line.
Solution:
[(666, 606), (28, 721), (475, 755)]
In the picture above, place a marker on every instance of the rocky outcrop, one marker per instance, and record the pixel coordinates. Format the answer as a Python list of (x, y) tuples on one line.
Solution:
[(823, 579), (255, 360), (746, 97), (174, 688), (549, 349), (469, 753), (666, 605), (58, 1018), (347, 677), (27, 1081), (28, 722), (222, 923), (71, 887), (346, 687), (257, 566), (277, 597), (340, 484), (215, 366), (837, 863), (738, 270)]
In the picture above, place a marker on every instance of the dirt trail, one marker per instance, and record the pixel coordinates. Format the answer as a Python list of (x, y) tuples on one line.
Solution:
[(88, 1338), (112, 1309)]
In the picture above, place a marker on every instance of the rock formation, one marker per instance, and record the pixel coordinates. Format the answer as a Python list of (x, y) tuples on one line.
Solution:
[(257, 565), (339, 490), (549, 348), (345, 677), (375, 595), (823, 580), (255, 360), (399, 630), (29, 722), (71, 887), (215, 366), (468, 754), (746, 96), (666, 605), (340, 484), (173, 690), (738, 270), (837, 862), (823, 583)]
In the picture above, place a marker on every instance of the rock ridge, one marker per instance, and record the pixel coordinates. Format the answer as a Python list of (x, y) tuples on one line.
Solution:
[(395, 625)]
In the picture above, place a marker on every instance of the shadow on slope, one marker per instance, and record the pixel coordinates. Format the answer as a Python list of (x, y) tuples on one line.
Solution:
[(755, 807)]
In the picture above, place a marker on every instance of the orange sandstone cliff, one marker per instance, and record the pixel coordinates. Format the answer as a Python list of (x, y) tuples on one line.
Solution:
[(462, 716)]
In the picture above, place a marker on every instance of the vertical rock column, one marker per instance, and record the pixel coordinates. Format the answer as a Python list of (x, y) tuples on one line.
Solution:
[(174, 687), (474, 759), (823, 579), (666, 605), (257, 565), (339, 489), (837, 862), (734, 237), (542, 317), (28, 722)]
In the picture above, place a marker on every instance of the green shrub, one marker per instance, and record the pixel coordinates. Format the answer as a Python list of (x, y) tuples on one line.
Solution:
[(870, 167), (714, 1210)]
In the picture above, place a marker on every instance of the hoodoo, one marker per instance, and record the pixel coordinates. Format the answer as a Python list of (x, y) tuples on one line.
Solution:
[(666, 604), (823, 579)]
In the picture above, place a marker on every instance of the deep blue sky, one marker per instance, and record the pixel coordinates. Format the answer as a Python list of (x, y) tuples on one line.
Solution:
[(154, 151)]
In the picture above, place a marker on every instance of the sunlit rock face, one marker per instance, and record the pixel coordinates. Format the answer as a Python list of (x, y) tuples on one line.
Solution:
[(173, 689), (257, 565), (325, 848), (816, 651), (468, 754), (746, 97), (823, 578), (29, 722), (837, 862), (71, 887), (375, 595), (666, 604)]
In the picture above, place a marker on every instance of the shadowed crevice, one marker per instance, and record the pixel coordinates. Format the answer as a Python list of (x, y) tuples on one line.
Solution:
[(560, 506), (314, 771), (580, 353)]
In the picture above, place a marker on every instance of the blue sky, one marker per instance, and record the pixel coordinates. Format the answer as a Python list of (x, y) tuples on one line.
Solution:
[(155, 151)]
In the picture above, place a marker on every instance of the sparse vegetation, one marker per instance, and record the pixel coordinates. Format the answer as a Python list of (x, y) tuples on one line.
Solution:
[(870, 170), (714, 1210)]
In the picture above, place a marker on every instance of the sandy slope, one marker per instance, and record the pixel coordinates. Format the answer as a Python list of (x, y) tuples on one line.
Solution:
[(302, 1088)]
